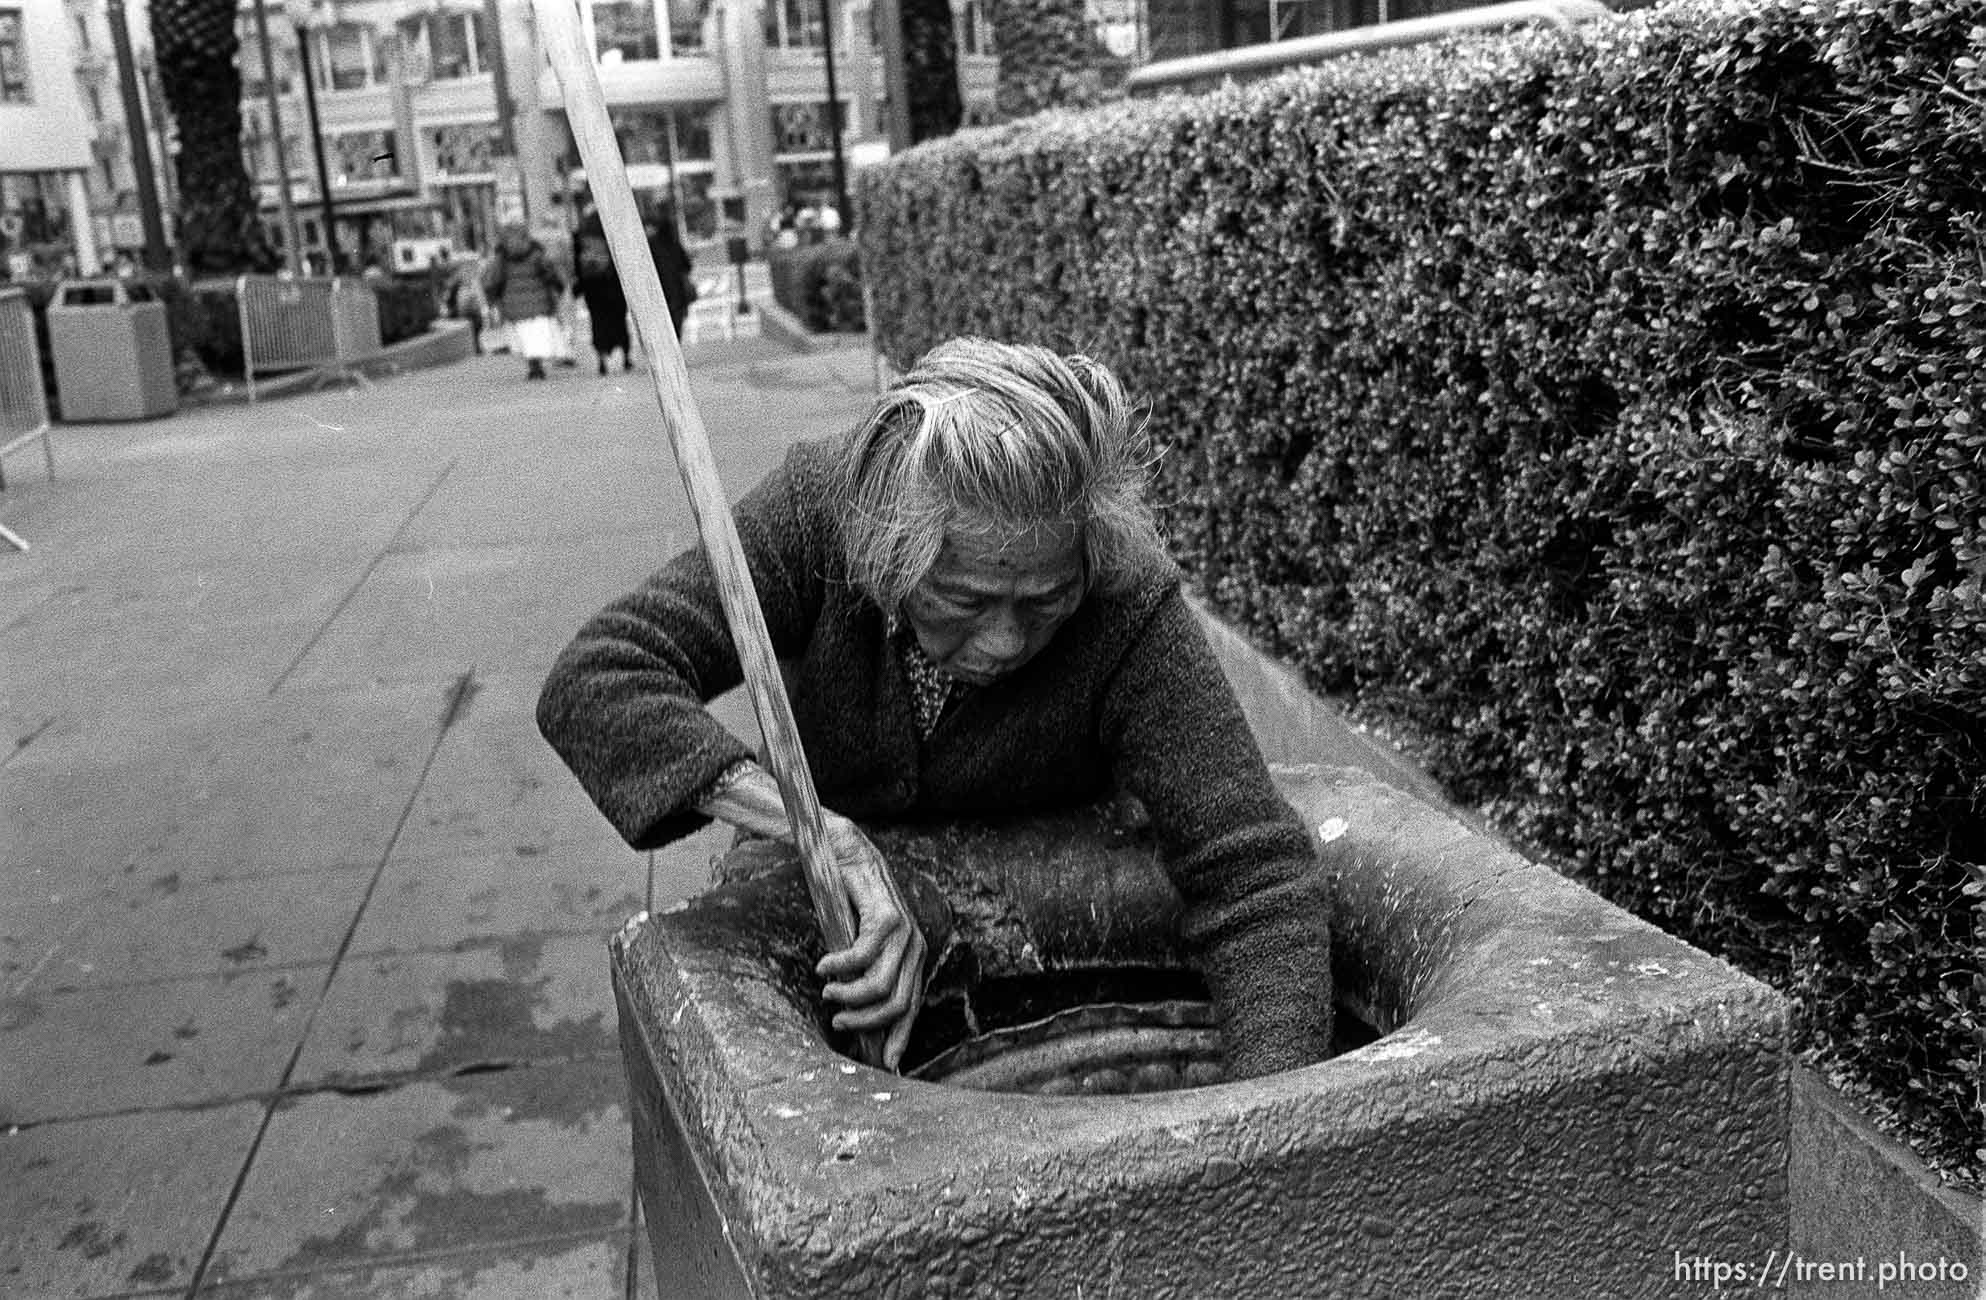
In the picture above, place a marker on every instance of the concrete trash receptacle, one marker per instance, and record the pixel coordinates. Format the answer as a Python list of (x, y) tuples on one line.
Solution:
[(1553, 1098), (112, 351)]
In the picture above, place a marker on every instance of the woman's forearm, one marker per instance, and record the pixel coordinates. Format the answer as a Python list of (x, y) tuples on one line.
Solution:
[(751, 802)]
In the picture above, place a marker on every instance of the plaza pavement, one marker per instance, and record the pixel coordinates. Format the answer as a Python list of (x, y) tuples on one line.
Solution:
[(303, 976)]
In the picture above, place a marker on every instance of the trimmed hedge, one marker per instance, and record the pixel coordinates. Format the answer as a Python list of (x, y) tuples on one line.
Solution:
[(1607, 415), (820, 284), (407, 307)]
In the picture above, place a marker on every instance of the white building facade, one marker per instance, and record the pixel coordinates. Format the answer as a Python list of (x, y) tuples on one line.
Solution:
[(46, 154)]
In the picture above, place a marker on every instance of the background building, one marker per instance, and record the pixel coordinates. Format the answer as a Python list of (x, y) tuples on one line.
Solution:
[(440, 120), (46, 156), (112, 181), (69, 189), (431, 122)]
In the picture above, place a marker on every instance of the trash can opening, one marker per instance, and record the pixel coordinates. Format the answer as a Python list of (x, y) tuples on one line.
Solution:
[(106, 293), (1082, 1033)]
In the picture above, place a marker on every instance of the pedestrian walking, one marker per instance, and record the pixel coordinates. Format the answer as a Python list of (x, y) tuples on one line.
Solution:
[(599, 285), (555, 234), (673, 264), (464, 299), (524, 287)]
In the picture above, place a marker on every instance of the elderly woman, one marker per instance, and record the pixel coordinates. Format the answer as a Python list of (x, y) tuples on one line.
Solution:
[(983, 622), (525, 287)]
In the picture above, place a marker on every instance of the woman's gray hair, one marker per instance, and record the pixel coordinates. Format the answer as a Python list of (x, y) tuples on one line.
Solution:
[(995, 436)]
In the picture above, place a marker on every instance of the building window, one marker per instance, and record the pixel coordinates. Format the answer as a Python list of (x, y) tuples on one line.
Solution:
[(83, 32), (686, 19), (466, 149), (40, 200), (445, 46), (793, 24), (625, 29), (13, 59), (461, 48), (806, 184), (95, 102), (974, 31), (349, 59), (645, 137), (363, 156), (801, 129)]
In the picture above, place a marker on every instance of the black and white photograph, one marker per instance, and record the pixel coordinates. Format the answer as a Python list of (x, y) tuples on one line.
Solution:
[(992, 649)]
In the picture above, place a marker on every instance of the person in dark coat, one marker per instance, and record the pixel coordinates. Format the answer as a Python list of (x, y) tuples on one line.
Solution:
[(673, 264), (524, 286), (984, 622), (599, 283)]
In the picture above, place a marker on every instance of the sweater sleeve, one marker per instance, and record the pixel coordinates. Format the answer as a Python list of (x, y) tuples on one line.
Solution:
[(624, 703), (1256, 908)]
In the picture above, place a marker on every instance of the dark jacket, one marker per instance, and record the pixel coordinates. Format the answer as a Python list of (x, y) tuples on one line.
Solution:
[(523, 285), (592, 258), (599, 283), (1127, 696), (674, 267)]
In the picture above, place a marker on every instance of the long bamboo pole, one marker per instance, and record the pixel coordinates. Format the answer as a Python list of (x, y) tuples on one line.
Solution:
[(606, 174)]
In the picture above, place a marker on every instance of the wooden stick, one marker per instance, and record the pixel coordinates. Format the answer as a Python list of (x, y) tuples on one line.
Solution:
[(606, 175)]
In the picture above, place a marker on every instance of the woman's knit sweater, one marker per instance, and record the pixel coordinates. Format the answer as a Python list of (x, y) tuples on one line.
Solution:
[(524, 285), (1127, 696)]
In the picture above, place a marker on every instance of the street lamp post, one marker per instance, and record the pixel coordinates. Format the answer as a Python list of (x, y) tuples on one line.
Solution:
[(500, 77), (156, 256), (834, 117), (896, 77), (300, 15), (292, 232)]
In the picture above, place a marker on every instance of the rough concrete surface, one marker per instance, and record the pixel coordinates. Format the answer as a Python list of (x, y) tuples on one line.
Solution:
[(1872, 1209), (1562, 1098)]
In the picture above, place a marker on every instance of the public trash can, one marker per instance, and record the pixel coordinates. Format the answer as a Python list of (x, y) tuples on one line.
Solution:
[(112, 352)]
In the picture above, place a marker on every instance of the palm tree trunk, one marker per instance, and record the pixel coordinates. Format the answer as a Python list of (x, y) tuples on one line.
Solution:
[(930, 47), (195, 45), (1049, 56)]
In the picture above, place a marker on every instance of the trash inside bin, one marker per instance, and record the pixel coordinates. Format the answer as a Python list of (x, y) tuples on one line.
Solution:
[(112, 351)]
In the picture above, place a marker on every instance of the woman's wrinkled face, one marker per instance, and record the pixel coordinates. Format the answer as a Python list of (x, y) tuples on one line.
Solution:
[(996, 597)]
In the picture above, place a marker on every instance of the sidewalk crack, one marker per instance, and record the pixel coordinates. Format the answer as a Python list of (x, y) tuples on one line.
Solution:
[(459, 691), (21, 743), (364, 577)]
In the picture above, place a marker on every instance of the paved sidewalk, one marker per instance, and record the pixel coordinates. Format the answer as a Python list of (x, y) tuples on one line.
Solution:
[(301, 924), (303, 982)]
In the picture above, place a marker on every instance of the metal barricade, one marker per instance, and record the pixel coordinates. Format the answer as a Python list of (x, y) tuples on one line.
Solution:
[(330, 325), (23, 395)]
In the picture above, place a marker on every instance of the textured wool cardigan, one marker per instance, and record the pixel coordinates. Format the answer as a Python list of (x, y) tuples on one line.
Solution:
[(1127, 696)]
